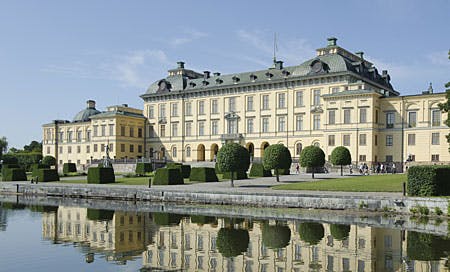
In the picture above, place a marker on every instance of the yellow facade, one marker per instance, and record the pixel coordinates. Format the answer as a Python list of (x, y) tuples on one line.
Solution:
[(83, 140), (337, 98)]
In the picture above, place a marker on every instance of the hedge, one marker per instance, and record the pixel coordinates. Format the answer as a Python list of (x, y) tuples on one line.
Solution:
[(36, 166), (429, 181), (27, 159), (257, 170), (184, 168), (5, 167), (99, 214), (44, 175), (426, 247), (69, 167), (167, 219), (311, 233), (143, 167), (236, 175), (284, 171), (167, 176), (277, 236), (201, 219), (203, 174), (339, 232), (101, 175), (13, 174)]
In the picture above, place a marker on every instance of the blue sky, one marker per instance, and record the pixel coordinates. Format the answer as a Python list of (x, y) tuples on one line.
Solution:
[(55, 55)]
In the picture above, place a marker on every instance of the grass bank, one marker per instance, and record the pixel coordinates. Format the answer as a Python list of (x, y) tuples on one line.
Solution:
[(372, 183)]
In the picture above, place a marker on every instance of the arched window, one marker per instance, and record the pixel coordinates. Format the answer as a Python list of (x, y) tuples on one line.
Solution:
[(188, 152), (298, 149), (174, 152)]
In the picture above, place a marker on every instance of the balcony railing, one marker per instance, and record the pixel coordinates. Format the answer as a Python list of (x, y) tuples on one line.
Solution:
[(389, 125), (231, 136)]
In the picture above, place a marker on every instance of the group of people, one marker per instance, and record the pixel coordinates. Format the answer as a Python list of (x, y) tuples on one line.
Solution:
[(380, 168)]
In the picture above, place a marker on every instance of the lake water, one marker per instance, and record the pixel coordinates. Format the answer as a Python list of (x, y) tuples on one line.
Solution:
[(70, 238)]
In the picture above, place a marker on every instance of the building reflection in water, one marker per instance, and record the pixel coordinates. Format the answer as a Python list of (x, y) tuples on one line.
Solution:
[(201, 243)]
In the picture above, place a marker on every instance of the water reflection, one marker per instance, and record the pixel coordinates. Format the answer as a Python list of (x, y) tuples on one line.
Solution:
[(205, 243)]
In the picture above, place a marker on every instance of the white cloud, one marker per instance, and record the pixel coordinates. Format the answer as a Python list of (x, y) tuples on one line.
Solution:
[(439, 58), (188, 36)]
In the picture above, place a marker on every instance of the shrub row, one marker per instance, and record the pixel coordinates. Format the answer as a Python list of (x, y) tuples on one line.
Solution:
[(44, 175), (98, 175), (185, 169), (143, 167), (13, 174), (429, 181), (168, 176), (100, 215), (257, 170), (69, 167), (203, 174)]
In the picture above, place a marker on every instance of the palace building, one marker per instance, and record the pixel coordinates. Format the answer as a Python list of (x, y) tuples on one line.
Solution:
[(336, 98)]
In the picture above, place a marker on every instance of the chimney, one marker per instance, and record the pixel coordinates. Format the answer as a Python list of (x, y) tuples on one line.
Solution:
[(125, 105), (90, 104), (332, 41), (360, 54), (216, 74), (279, 65), (430, 89), (180, 65), (384, 73), (206, 74)]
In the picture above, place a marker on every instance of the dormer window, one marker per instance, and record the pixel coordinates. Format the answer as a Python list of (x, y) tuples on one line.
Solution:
[(219, 81), (205, 82), (192, 84), (253, 77), (235, 79), (269, 75), (285, 73)]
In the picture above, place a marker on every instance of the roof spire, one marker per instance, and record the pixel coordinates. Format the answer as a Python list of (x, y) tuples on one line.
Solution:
[(430, 88), (275, 49)]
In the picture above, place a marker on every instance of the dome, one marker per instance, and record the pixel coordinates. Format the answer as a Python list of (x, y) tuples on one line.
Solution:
[(85, 114)]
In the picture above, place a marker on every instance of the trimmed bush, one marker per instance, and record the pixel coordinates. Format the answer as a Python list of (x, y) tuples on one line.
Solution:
[(429, 181), (185, 169), (202, 220), (49, 160), (203, 174), (341, 156), (143, 167), (27, 159), (217, 169), (426, 247), (312, 156), (101, 175), (233, 158), (339, 232), (311, 233), (45, 175), (232, 242), (13, 174), (167, 219), (277, 236), (166, 176), (257, 170), (284, 171), (5, 168), (277, 156), (39, 166), (236, 175), (69, 167), (99, 214)]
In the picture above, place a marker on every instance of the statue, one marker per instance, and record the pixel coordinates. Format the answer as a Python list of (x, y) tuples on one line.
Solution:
[(107, 159)]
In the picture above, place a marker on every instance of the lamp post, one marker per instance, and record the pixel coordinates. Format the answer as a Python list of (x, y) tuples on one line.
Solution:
[(91, 160)]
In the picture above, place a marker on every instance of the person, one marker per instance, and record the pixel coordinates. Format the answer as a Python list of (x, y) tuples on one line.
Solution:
[(350, 168), (382, 168), (297, 168), (378, 168), (394, 169)]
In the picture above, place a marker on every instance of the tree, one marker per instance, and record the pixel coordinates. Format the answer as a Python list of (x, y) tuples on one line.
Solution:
[(3, 145), (275, 236), (34, 146), (339, 232), (232, 242), (341, 156), (310, 232), (312, 156), (445, 107), (276, 157), (233, 158), (49, 160)]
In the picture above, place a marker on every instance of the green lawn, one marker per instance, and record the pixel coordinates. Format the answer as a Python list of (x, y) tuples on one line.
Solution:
[(372, 183)]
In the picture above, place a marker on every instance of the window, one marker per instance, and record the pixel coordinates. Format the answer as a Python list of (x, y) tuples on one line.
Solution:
[(214, 106), (201, 107), (139, 148), (316, 122), (281, 124), (265, 124), (131, 148), (435, 138), (376, 117), (435, 157), (102, 148), (334, 90), (151, 112), (298, 122), (78, 149), (174, 151), (363, 115), (95, 147), (347, 116), (69, 149), (250, 125), (188, 128), (122, 148), (331, 140), (316, 97), (298, 149), (412, 119), (122, 131), (435, 118), (174, 129), (249, 103), (376, 140), (201, 128), (95, 131), (188, 109), (88, 135), (60, 150), (162, 111), (79, 136), (332, 117), (162, 131), (389, 140), (131, 131), (345, 264), (174, 109), (140, 132), (151, 131), (299, 98), (232, 104), (346, 140), (281, 100), (111, 129), (103, 130), (69, 136), (411, 139), (362, 158), (362, 139), (111, 147), (188, 151), (265, 102), (214, 127), (390, 119)]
